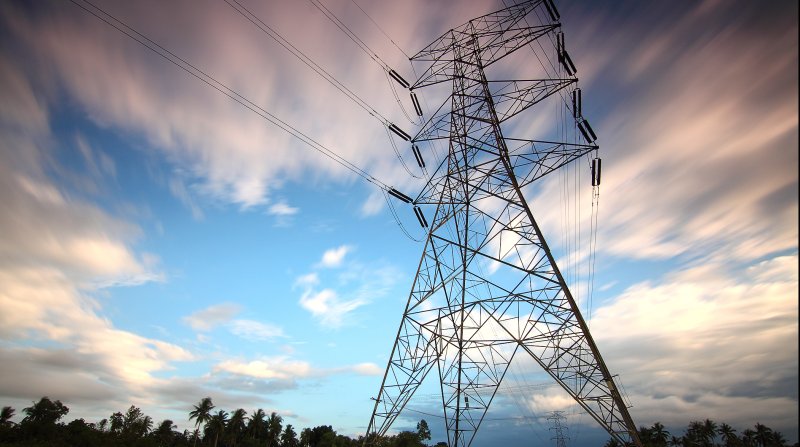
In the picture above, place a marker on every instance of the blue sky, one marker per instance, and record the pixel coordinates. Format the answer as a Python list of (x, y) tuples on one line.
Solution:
[(160, 243)]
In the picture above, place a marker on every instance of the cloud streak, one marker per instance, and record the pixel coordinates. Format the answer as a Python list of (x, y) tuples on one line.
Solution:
[(679, 344), (284, 368), (212, 316)]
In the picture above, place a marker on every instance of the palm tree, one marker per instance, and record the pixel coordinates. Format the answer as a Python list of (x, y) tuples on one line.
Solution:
[(5, 417), (216, 425), (644, 435), (658, 435), (146, 425), (236, 425), (201, 413), (196, 434), (274, 427), (709, 431), (695, 435), (164, 433), (778, 439), (258, 425), (749, 437), (728, 434), (763, 434), (676, 441)]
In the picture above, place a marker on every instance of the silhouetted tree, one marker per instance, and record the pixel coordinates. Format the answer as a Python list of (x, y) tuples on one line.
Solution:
[(749, 437), (659, 436), (45, 412), (236, 426), (201, 413), (709, 431), (136, 424), (216, 426), (5, 417), (164, 433), (423, 432), (728, 435), (116, 422), (257, 428), (316, 435), (274, 428), (305, 437), (289, 437), (763, 435), (407, 439)]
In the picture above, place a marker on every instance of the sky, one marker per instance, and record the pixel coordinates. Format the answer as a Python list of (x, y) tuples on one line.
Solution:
[(160, 243)]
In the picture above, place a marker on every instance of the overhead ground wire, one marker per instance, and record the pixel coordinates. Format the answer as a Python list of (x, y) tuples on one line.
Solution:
[(381, 29), (212, 82), (300, 55)]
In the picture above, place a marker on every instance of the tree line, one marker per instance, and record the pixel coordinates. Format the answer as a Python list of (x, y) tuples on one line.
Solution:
[(708, 433), (215, 427)]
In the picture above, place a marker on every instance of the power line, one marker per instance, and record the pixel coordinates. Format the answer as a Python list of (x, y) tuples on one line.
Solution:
[(308, 61), (350, 34), (212, 82), (277, 37), (381, 29), (391, 84)]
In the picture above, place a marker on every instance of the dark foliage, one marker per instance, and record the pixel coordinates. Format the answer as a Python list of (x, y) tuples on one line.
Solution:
[(42, 426), (708, 433)]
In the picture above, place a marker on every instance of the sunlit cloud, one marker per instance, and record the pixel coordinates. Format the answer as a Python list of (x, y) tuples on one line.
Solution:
[(678, 343), (335, 256), (285, 368), (267, 368), (57, 252), (713, 167)]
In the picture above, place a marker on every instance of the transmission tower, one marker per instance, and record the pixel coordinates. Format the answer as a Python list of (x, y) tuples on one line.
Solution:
[(556, 420), (487, 288)]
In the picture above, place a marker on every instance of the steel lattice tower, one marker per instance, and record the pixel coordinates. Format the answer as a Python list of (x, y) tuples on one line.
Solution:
[(487, 287)]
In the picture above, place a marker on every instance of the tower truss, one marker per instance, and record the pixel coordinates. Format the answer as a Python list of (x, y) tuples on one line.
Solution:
[(487, 288)]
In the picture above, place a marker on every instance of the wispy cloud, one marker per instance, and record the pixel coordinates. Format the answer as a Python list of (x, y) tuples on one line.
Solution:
[(711, 171), (328, 307), (255, 330), (335, 256), (333, 307), (212, 316), (223, 315), (178, 189), (282, 209)]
